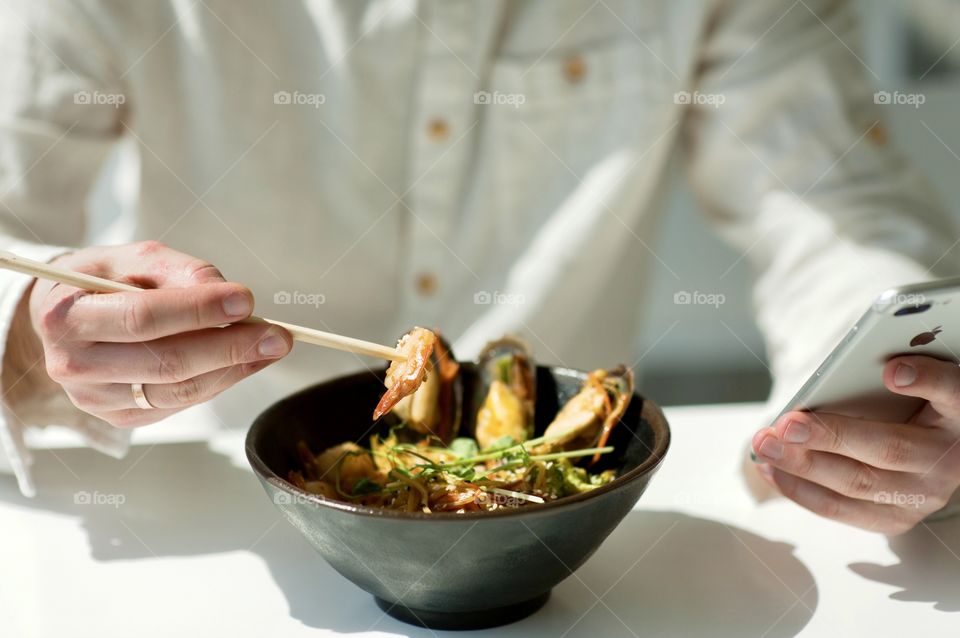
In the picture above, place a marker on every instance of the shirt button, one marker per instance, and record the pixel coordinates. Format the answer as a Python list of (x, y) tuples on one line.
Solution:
[(426, 284), (574, 68), (877, 133), (438, 129)]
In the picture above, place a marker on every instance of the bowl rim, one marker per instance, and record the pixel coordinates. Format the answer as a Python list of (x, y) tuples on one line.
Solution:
[(649, 411)]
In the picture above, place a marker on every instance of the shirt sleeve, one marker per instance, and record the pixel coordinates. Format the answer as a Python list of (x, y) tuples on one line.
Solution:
[(794, 169), (60, 113), (788, 153)]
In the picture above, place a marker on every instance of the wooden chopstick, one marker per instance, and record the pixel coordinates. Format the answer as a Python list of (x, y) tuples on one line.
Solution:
[(81, 280)]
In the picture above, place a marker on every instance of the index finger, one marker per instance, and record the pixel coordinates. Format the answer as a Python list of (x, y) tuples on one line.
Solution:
[(902, 447), (129, 317), (145, 264)]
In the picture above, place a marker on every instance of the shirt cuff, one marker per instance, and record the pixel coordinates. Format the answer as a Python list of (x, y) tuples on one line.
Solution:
[(37, 409)]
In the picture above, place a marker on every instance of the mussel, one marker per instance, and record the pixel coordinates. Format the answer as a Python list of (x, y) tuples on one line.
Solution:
[(425, 391), (586, 419), (508, 392)]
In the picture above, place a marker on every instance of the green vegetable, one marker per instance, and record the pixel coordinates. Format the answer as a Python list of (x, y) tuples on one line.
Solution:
[(465, 473), (556, 479), (365, 486), (502, 443), (503, 365), (520, 452), (577, 479), (464, 447)]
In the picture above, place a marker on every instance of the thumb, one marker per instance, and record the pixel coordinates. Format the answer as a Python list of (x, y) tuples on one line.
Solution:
[(927, 378)]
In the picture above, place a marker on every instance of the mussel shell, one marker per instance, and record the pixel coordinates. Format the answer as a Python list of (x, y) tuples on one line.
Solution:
[(451, 391), (584, 427), (521, 372)]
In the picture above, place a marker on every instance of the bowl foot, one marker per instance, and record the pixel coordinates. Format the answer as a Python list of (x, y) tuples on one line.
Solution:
[(478, 619)]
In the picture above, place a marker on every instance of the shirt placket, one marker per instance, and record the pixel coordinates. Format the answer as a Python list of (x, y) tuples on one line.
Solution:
[(440, 152)]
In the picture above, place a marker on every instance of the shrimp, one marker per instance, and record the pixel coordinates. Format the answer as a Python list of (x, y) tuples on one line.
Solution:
[(404, 377)]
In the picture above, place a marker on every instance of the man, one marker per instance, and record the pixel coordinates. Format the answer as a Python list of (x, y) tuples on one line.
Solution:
[(400, 162)]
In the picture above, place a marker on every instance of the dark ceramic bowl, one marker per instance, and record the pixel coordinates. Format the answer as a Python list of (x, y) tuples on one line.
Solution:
[(448, 570)]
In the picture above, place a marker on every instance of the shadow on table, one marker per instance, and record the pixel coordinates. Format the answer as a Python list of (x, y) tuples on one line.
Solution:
[(659, 573), (929, 567)]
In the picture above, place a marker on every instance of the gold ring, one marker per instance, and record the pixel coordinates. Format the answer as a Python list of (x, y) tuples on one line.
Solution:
[(139, 397)]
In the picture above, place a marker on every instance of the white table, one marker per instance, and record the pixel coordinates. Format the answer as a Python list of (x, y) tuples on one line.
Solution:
[(195, 548)]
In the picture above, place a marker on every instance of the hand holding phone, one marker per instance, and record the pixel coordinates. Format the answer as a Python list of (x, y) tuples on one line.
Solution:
[(873, 437)]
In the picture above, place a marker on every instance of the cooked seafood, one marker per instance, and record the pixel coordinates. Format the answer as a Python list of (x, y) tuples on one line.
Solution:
[(504, 470), (501, 416), (434, 407), (587, 418), (508, 377), (404, 377)]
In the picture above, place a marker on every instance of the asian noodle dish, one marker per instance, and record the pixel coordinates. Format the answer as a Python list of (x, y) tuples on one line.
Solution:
[(422, 465)]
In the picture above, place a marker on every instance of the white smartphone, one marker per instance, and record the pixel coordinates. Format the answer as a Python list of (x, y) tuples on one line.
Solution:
[(917, 319)]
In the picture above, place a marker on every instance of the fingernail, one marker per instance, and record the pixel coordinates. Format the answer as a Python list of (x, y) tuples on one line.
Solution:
[(765, 470), (771, 448), (905, 375), (272, 346), (796, 432), (237, 305)]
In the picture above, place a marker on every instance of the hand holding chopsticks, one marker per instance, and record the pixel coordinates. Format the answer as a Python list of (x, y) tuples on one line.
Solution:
[(83, 281)]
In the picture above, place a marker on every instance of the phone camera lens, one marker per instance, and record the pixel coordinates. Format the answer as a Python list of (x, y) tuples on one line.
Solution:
[(912, 310)]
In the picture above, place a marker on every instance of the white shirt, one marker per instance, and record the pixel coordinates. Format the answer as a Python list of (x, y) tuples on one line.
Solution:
[(477, 167)]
